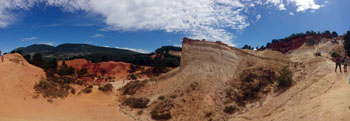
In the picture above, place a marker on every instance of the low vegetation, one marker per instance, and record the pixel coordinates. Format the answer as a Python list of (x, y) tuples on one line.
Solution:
[(52, 89), (162, 111), (230, 109), (311, 42), (254, 85), (87, 90), (106, 87), (136, 102), (132, 87), (285, 78)]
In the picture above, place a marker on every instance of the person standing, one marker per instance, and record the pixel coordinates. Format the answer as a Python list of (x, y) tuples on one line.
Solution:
[(346, 61), (337, 63)]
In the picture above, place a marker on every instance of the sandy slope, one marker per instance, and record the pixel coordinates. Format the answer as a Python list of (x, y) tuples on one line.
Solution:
[(17, 79), (322, 95)]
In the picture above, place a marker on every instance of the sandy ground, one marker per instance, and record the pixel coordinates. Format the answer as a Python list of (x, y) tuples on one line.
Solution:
[(17, 79)]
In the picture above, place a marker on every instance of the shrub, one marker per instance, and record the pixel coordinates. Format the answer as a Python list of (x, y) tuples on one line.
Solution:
[(49, 100), (208, 114), (157, 116), (106, 87), (334, 54), (162, 111), (136, 102), (132, 87), (311, 42), (51, 89), (285, 78), (87, 90), (133, 76), (68, 80), (230, 109), (140, 112), (82, 72), (72, 91), (161, 97)]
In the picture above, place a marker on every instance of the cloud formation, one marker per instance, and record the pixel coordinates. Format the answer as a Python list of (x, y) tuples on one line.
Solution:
[(200, 19), (98, 36), (28, 39), (135, 50)]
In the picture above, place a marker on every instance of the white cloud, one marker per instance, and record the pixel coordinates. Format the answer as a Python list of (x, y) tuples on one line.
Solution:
[(134, 49), (28, 39), (98, 36), (106, 46), (303, 5), (258, 17), (47, 43), (281, 7), (291, 13), (201, 19)]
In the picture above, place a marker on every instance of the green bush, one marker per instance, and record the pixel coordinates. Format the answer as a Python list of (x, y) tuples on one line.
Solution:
[(162, 111), (136, 102), (106, 87), (87, 90), (82, 72), (311, 42), (334, 54), (132, 87), (161, 97), (230, 109), (285, 78), (51, 89), (160, 116)]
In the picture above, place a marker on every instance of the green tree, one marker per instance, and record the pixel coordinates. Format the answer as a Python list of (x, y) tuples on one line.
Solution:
[(28, 57), (70, 71), (104, 58), (326, 32), (51, 64), (38, 60), (82, 72), (334, 34)]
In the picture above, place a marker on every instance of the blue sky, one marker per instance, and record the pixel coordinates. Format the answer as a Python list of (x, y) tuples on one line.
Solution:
[(145, 26)]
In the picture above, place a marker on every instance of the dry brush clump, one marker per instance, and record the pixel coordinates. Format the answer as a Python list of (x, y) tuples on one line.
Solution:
[(106, 87), (162, 111), (132, 87), (253, 84), (51, 89), (136, 102)]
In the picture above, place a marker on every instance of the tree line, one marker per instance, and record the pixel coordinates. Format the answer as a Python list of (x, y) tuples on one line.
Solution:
[(291, 37)]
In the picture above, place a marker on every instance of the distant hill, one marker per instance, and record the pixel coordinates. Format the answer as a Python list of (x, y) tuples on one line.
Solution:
[(65, 51)]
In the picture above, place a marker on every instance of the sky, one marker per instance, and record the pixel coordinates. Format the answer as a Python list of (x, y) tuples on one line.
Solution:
[(145, 25)]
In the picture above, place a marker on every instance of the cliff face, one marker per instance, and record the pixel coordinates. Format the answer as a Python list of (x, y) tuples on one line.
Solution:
[(206, 73), (292, 44)]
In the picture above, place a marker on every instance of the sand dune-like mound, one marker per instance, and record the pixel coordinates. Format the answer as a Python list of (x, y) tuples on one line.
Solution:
[(19, 101)]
